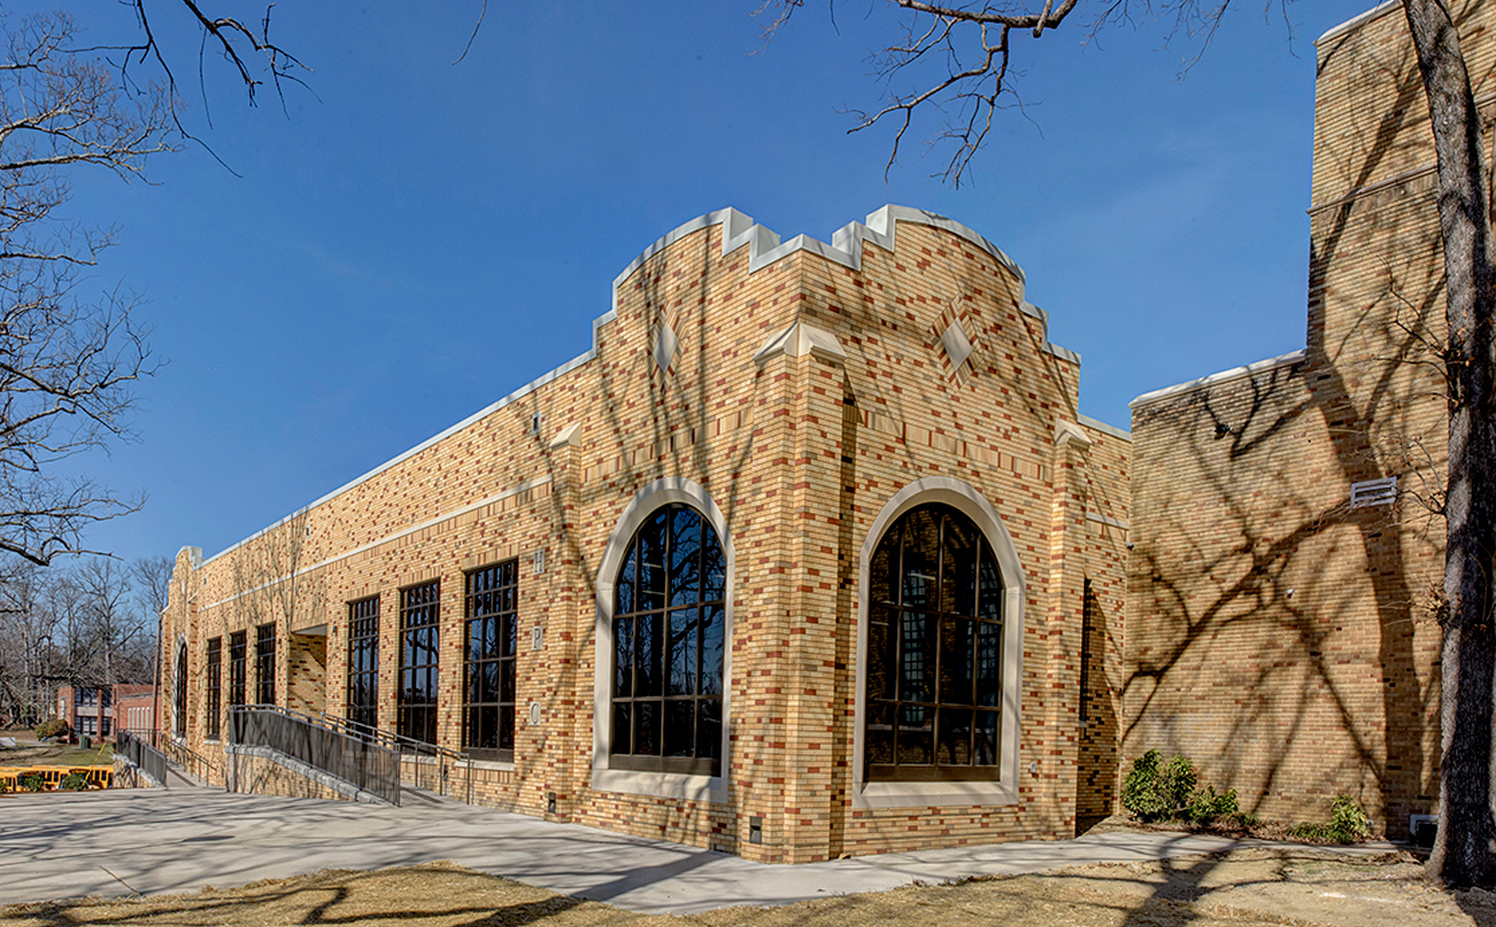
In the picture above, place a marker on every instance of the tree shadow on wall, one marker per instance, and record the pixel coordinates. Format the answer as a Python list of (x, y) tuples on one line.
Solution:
[(1254, 562)]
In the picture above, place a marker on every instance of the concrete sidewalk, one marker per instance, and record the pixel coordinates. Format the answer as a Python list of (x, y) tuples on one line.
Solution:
[(58, 845)]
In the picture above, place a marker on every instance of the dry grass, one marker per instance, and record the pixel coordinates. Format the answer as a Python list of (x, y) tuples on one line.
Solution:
[(1258, 887), (27, 752)]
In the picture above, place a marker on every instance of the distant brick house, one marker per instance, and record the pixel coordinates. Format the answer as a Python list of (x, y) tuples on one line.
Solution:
[(100, 712)]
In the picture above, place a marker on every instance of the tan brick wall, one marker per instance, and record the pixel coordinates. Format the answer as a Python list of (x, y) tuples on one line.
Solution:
[(1276, 635), (800, 454), (306, 673), (1103, 623)]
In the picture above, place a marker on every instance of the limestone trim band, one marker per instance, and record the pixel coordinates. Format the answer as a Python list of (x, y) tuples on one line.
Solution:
[(392, 536), (1359, 20)]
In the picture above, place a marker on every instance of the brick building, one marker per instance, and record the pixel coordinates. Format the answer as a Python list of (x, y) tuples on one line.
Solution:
[(99, 712), (809, 555), (1287, 558)]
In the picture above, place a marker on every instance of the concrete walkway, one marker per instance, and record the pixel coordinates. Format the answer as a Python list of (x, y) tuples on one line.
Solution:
[(59, 845)]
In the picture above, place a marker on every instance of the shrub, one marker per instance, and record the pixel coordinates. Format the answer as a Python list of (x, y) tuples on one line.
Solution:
[(1140, 793), (1207, 805), (75, 782), (33, 783), (1348, 824), (1153, 793), (1177, 783), (57, 727)]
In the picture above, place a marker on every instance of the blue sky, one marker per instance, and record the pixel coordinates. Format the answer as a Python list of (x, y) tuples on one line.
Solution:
[(419, 238)]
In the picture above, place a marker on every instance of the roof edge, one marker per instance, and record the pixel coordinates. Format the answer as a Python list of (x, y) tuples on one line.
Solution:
[(1356, 22), (1103, 427), (1224, 376)]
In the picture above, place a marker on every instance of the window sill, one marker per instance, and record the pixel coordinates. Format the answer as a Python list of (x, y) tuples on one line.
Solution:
[(660, 785), (934, 794), (500, 765)]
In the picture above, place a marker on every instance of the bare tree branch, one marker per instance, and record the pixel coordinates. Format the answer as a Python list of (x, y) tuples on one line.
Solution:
[(959, 56), (68, 360)]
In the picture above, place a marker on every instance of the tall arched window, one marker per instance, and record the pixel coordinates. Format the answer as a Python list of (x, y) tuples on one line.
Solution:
[(668, 646), (934, 686), (179, 700)]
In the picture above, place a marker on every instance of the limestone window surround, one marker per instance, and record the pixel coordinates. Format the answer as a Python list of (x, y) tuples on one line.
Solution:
[(966, 499), (660, 493)]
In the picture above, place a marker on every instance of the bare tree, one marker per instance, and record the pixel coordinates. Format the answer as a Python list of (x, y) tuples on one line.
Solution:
[(975, 42), (70, 357), (67, 361), (89, 625), (112, 624), (27, 646)]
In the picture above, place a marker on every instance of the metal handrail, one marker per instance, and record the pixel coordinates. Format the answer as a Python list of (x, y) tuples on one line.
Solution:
[(361, 761), (178, 753), (151, 761), (445, 757)]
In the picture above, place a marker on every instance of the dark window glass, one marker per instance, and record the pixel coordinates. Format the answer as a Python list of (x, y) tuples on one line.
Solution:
[(238, 645), (180, 701), (215, 686), (491, 605), (265, 664), (363, 661), (416, 717), (669, 629), (934, 654)]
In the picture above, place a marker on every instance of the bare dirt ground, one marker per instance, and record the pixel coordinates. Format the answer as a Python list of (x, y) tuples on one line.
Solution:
[(28, 752), (1302, 888)]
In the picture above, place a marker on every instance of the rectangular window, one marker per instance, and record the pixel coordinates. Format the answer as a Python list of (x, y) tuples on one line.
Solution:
[(238, 644), (492, 641), (215, 686), (416, 717), (363, 661), (265, 664)]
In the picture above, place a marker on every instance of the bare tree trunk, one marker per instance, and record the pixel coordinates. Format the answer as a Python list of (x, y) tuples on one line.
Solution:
[(1462, 855)]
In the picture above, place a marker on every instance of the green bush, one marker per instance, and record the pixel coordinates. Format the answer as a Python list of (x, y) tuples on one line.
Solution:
[(1140, 793), (54, 728), (1177, 782), (1206, 805), (33, 783), (1158, 793), (75, 782), (1348, 824)]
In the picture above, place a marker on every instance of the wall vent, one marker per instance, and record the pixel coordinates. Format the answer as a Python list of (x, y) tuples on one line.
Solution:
[(1374, 492), (535, 422), (539, 562)]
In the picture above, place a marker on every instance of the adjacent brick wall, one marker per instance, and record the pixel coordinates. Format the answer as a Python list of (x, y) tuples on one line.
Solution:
[(1278, 636)]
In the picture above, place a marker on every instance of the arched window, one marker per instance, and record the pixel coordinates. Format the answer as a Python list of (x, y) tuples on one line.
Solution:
[(180, 686), (669, 632), (934, 651)]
